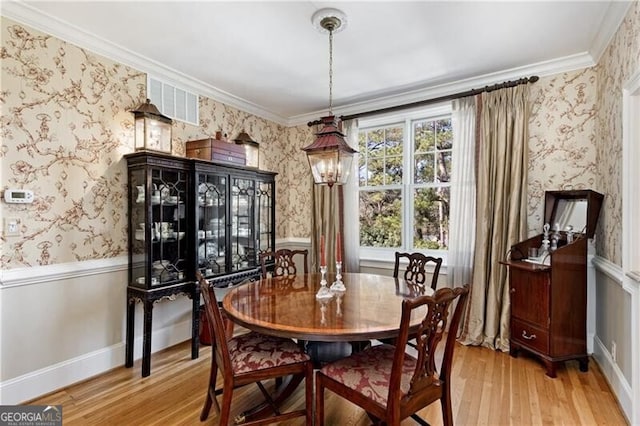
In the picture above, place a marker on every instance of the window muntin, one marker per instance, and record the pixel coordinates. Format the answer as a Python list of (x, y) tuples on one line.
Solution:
[(404, 171)]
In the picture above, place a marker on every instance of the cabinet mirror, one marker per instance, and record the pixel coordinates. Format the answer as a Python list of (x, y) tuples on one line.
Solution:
[(571, 213), (576, 208)]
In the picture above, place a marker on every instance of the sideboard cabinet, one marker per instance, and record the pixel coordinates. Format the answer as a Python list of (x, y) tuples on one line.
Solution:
[(188, 215), (549, 294)]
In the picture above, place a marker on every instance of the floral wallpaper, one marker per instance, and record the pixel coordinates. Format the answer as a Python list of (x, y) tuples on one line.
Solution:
[(299, 182), (620, 61), (561, 138), (64, 128), (66, 125)]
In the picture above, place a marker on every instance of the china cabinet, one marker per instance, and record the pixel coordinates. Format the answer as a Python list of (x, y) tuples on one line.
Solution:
[(187, 215), (548, 291), (234, 221)]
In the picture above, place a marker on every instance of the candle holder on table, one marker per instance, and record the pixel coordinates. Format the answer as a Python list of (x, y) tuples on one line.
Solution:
[(323, 292), (338, 285)]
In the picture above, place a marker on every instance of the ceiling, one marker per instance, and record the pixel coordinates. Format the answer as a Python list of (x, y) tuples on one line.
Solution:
[(268, 59)]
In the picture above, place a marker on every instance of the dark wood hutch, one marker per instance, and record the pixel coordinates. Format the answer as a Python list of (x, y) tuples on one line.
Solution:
[(188, 215)]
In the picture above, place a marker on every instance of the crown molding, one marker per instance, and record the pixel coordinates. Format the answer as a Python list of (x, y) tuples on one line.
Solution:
[(541, 69), (22, 12), (611, 21)]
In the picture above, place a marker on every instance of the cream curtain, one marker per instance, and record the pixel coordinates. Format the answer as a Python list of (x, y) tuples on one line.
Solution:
[(328, 215), (325, 220), (351, 218), (462, 222), (501, 198)]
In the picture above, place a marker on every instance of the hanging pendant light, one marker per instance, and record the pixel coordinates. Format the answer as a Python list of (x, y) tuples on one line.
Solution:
[(329, 155)]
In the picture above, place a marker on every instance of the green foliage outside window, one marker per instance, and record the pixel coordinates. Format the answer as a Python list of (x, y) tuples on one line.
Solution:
[(381, 164)]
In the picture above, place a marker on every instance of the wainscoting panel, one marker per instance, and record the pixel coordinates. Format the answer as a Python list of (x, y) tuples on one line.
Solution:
[(61, 324), (617, 322)]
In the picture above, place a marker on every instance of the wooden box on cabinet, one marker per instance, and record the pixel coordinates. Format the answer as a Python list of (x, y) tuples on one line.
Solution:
[(216, 150), (549, 299)]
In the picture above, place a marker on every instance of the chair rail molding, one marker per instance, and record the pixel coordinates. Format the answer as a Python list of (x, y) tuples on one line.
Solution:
[(40, 274)]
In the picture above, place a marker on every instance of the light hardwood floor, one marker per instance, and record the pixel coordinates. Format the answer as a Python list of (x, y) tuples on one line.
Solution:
[(489, 388)]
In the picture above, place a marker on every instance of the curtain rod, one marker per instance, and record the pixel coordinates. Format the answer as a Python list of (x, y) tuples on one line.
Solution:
[(451, 97)]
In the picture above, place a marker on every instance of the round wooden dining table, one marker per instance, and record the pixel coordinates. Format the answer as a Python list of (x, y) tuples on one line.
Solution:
[(286, 306)]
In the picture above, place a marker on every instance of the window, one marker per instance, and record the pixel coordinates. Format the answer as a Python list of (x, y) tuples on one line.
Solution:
[(404, 181)]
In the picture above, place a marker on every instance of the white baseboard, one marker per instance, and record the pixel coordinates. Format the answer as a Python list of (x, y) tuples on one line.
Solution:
[(46, 380), (619, 385)]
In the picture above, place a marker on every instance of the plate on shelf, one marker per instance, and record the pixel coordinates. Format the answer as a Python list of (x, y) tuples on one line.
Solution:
[(208, 248)]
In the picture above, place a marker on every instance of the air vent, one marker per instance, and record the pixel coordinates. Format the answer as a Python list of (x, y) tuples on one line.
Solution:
[(174, 102)]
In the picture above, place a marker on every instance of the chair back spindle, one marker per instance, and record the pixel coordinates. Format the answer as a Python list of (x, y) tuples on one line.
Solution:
[(284, 263), (252, 358), (391, 384), (416, 271)]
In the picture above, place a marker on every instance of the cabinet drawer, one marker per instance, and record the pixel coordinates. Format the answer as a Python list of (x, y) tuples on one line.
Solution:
[(528, 335)]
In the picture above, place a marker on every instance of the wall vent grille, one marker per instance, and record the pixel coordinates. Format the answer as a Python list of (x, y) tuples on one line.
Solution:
[(173, 101)]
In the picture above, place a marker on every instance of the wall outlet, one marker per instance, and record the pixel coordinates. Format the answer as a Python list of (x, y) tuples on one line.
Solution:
[(11, 227), (614, 351)]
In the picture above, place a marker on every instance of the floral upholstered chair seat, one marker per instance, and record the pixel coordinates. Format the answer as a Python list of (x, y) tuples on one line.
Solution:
[(368, 372), (255, 351), (251, 358), (391, 385)]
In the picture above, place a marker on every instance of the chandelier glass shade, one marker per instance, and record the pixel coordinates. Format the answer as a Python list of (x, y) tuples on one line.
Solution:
[(329, 155)]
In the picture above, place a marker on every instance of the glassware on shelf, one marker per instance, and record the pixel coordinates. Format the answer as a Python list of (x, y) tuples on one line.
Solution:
[(140, 189), (569, 234)]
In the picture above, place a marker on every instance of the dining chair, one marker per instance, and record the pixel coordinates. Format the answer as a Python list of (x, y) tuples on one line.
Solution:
[(321, 352), (416, 271), (251, 358), (284, 263), (388, 383)]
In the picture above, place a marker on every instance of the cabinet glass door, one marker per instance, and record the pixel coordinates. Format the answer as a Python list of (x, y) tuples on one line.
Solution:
[(158, 215), (264, 220), (211, 220), (243, 239)]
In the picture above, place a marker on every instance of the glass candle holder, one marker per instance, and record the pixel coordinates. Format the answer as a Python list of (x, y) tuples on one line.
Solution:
[(338, 285), (323, 291)]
